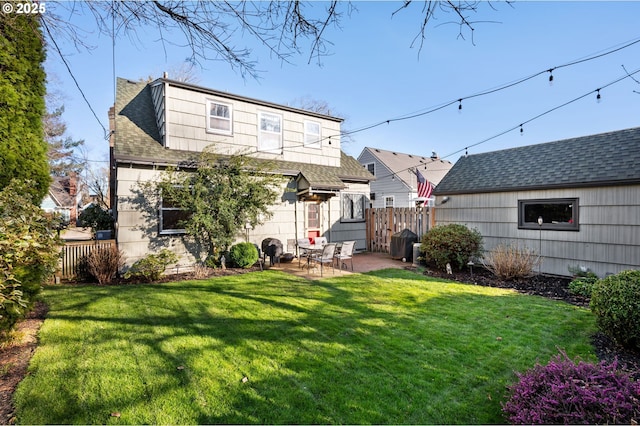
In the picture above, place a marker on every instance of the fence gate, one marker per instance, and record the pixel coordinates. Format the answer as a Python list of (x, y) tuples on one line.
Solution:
[(382, 223), (71, 265)]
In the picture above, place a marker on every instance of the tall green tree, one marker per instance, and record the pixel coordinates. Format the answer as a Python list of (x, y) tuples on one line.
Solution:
[(219, 197), (63, 152), (23, 150)]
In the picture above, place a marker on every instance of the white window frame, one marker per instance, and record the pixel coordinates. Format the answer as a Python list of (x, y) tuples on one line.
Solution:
[(386, 201), (312, 139), (210, 129), (264, 134), (349, 209), (162, 210)]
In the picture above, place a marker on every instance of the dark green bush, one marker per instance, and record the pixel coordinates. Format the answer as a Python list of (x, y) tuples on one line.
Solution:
[(454, 244), (615, 301), (29, 252), (583, 282), (151, 267), (96, 218), (243, 255)]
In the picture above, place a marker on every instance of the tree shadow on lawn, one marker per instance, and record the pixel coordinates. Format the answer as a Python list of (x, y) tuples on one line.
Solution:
[(331, 357)]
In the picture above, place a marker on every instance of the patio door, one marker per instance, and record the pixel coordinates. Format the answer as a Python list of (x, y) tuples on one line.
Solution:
[(313, 225)]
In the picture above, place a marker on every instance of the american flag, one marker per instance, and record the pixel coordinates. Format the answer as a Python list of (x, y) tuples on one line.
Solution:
[(425, 188)]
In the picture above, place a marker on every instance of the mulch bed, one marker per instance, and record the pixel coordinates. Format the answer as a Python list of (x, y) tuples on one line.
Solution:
[(15, 358)]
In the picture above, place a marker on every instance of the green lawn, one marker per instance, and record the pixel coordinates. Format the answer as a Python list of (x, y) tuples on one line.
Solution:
[(385, 347)]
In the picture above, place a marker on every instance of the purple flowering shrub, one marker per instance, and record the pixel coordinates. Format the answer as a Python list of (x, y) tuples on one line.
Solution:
[(565, 392)]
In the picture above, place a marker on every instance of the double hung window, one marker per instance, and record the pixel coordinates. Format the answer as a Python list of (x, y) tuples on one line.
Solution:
[(312, 134), (219, 117), (270, 132), (172, 217)]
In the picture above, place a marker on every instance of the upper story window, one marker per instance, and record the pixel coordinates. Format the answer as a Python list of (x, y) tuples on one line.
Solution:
[(371, 167), (219, 117), (559, 214), (270, 132), (312, 134), (353, 206)]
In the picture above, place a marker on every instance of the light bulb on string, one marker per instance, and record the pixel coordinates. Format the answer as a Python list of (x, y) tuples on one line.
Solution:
[(460, 106), (551, 77), (598, 97), (521, 131)]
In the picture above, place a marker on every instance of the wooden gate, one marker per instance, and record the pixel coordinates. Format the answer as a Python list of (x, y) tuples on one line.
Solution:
[(71, 261), (382, 223)]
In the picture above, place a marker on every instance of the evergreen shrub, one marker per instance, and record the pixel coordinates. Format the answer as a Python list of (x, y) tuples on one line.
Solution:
[(583, 282), (453, 243), (243, 255), (615, 300), (151, 267)]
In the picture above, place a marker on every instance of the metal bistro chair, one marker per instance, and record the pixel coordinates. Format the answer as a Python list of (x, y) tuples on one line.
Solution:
[(346, 253), (325, 257), (303, 251), (320, 240)]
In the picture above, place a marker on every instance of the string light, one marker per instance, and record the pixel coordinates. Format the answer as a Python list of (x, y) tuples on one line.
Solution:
[(460, 106), (598, 97), (551, 77), (521, 130)]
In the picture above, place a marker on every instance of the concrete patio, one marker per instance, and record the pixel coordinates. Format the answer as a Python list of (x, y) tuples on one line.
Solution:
[(362, 262)]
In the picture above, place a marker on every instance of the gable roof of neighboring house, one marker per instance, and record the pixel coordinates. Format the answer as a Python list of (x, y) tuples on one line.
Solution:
[(59, 192), (138, 141), (604, 159), (400, 165)]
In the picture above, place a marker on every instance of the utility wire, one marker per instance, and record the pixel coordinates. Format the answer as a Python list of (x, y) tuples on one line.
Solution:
[(519, 126), (66, 64)]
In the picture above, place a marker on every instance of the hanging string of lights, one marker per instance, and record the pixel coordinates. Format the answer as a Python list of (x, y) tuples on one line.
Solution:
[(521, 125), (490, 91)]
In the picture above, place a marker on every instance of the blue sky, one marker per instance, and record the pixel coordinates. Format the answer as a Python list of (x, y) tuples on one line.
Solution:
[(373, 75)]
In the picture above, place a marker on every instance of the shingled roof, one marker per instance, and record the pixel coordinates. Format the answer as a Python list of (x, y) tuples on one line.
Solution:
[(611, 158), (138, 141)]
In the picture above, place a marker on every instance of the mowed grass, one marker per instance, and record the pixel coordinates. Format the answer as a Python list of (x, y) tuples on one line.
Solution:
[(270, 348)]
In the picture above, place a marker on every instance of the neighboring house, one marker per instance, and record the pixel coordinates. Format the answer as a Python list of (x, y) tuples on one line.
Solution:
[(396, 180), (63, 198), (168, 123), (585, 189)]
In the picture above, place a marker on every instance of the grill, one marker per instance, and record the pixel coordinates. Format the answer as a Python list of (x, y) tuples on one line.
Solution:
[(272, 247)]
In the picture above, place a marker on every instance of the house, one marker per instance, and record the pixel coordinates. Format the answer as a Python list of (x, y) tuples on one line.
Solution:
[(63, 198), (396, 180), (168, 123), (585, 191)]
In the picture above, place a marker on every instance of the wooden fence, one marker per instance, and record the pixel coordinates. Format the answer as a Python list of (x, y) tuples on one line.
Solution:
[(384, 222), (71, 265)]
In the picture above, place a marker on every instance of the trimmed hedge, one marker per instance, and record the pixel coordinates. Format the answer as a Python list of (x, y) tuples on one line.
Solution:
[(615, 300)]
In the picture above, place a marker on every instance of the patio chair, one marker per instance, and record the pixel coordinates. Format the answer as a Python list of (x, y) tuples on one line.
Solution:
[(346, 253), (320, 240), (302, 243), (325, 257), (260, 258)]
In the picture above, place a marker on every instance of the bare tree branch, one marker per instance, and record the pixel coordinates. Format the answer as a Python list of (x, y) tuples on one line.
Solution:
[(631, 77)]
